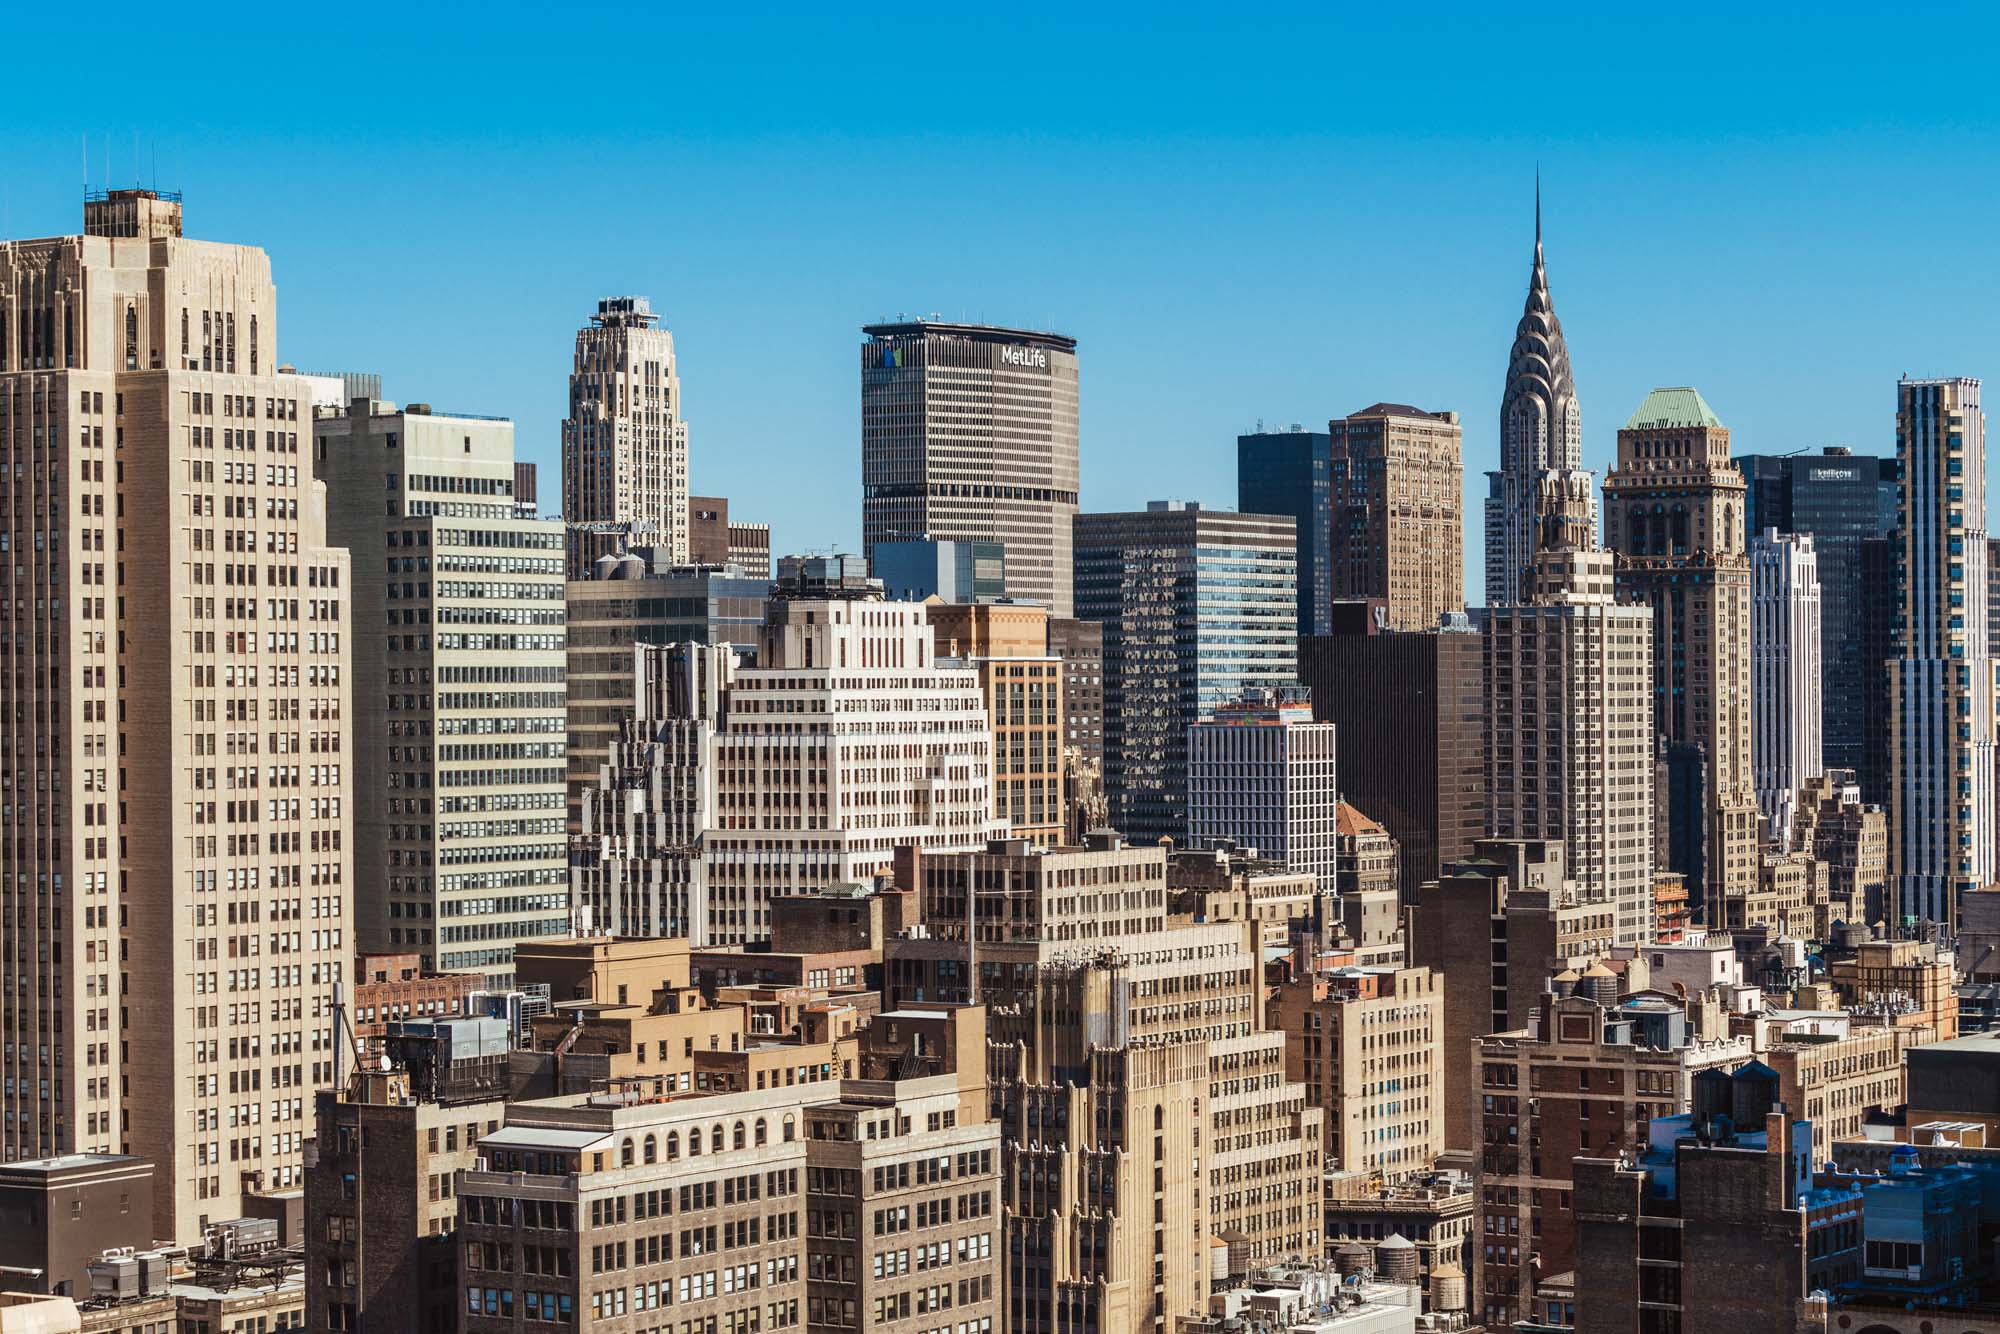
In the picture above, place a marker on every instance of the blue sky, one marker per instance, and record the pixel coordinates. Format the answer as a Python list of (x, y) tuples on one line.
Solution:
[(1240, 214)]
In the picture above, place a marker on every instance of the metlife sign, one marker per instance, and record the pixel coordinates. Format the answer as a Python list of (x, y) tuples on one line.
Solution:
[(1027, 358)]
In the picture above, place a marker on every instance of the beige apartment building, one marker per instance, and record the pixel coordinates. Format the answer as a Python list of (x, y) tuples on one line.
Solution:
[(1836, 1084), (1133, 1064), (847, 740), (1399, 512), (1569, 690), (1007, 643), (174, 768), (625, 441), (459, 709), (1368, 1045), (859, 1203)]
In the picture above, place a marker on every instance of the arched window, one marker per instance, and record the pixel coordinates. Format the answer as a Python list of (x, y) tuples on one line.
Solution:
[(1159, 1118), (625, 1153), (694, 1142), (716, 1142), (651, 1152), (253, 344), (131, 338), (739, 1137), (673, 1145), (791, 1131), (763, 1132)]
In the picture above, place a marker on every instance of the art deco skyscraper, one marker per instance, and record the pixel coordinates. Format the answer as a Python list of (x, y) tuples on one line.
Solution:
[(1541, 432), (968, 433), (1785, 672), (625, 444), (1398, 506), (1673, 514), (174, 766), (1941, 677), (1568, 695)]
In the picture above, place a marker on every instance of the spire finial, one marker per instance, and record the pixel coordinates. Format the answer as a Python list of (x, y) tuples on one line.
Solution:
[(1538, 206)]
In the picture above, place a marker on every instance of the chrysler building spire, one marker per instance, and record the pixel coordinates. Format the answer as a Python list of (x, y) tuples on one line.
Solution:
[(1541, 432)]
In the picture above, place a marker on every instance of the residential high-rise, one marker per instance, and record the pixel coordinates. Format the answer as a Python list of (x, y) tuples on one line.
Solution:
[(1261, 774), (1291, 472), (1409, 716), (1941, 678), (175, 745), (847, 740), (969, 433), (1541, 432), (459, 711), (625, 441), (1569, 714), (1673, 516), (1080, 646), (1398, 512), (1196, 605), (1838, 497), (1785, 674)]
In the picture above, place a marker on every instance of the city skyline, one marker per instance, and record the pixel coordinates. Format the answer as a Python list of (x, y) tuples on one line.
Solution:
[(1266, 314)]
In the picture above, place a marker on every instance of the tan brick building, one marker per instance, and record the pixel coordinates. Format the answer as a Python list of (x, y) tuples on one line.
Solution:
[(1836, 1084), (177, 754), (1008, 644), (1367, 1044), (1399, 512)]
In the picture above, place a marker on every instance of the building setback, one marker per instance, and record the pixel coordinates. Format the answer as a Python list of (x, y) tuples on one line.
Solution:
[(1409, 716), (969, 433), (175, 632), (1196, 605), (458, 699), (624, 442), (1398, 512)]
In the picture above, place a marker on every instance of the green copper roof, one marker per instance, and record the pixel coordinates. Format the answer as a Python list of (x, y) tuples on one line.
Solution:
[(1672, 407)]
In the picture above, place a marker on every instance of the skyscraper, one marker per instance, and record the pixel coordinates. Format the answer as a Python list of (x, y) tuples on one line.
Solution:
[(1673, 515), (625, 443), (1568, 702), (1196, 604), (969, 433), (1291, 472), (175, 745), (458, 695), (1398, 505), (1837, 496), (1541, 432), (1785, 673), (1941, 679)]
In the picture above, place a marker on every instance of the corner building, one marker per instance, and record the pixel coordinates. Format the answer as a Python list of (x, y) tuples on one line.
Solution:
[(969, 433), (174, 909)]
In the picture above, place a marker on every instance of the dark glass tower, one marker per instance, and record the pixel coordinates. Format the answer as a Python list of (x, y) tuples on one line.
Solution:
[(1290, 472), (1839, 497)]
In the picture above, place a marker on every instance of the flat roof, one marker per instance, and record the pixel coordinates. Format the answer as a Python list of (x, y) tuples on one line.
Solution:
[(543, 1137), (983, 333)]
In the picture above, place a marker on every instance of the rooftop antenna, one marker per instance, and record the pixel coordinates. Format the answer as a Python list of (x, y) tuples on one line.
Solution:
[(86, 161)]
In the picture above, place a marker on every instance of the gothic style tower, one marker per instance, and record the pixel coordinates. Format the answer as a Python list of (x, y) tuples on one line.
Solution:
[(1673, 513), (1541, 431)]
